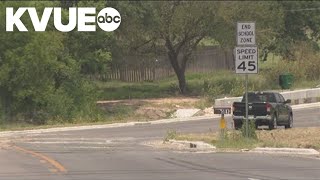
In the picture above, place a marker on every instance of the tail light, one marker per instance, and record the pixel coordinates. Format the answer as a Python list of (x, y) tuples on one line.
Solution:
[(268, 107)]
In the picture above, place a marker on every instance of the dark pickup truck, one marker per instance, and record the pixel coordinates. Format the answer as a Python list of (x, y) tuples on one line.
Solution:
[(265, 108)]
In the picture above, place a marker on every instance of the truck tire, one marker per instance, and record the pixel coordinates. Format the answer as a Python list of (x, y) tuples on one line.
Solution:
[(290, 122), (273, 122), (256, 125), (237, 125)]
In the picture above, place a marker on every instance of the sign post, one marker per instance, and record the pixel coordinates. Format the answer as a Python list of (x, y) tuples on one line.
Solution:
[(246, 57), (222, 122), (222, 126)]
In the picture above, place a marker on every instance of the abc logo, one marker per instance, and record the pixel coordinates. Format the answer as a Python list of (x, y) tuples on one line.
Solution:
[(109, 19)]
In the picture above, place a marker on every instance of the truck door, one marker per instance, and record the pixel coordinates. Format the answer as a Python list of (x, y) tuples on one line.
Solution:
[(286, 109), (282, 112)]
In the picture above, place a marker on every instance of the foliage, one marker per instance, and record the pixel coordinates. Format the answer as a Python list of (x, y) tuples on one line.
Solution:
[(251, 130), (301, 23), (304, 66), (206, 85), (41, 76), (171, 134), (230, 84)]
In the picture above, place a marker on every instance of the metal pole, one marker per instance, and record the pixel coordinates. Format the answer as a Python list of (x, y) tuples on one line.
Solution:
[(247, 121)]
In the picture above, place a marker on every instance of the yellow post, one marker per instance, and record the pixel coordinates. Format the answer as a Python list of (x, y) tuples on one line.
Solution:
[(222, 122), (222, 126)]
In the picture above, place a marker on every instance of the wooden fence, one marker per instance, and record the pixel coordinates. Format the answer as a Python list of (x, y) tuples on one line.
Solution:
[(138, 68)]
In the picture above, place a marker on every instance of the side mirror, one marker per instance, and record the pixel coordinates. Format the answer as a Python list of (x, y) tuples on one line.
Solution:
[(288, 101)]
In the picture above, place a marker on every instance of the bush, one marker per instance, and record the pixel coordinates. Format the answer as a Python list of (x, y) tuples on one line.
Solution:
[(230, 84), (39, 82), (251, 130), (305, 66)]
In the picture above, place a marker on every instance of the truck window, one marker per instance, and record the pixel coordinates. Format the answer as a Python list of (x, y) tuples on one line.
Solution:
[(259, 97), (282, 100), (278, 98)]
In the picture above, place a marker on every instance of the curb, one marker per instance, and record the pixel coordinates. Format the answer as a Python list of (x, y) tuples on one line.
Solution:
[(308, 105), (297, 96), (200, 146), (142, 123), (296, 151)]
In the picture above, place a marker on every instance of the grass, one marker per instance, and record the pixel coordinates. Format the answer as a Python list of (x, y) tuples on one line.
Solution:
[(292, 138), (158, 89), (27, 126), (214, 85), (119, 114), (114, 112)]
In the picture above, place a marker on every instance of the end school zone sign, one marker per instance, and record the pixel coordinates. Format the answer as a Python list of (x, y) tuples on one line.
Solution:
[(246, 34)]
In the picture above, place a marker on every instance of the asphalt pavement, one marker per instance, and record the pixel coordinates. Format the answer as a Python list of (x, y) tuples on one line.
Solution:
[(119, 153)]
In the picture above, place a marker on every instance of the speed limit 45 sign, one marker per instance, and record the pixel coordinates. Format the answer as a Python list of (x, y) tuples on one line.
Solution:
[(246, 60)]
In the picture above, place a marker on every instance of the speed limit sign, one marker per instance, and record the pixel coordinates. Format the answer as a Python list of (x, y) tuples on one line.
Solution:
[(246, 60)]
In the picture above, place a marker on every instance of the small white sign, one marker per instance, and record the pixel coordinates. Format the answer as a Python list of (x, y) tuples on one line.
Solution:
[(246, 34), (246, 60)]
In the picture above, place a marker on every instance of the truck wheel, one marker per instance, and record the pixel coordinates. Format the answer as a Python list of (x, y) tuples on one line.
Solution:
[(237, 126), (273, 123), (256, 125), (290, 123)]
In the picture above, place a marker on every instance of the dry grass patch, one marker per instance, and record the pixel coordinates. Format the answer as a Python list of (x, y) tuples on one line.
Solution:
[(146, 109), (293, 138), (210, 138)]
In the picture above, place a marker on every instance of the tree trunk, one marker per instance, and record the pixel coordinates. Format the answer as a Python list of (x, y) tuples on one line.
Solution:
[(182, 81), (180, 72)]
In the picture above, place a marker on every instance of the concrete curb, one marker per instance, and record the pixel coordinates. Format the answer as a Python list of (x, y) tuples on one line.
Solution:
[(142, 123), (308, 105), (297, 97), (74, 128), (200, 146), (295, 151)]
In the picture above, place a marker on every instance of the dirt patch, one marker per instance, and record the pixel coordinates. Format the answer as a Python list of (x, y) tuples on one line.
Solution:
[(150, 109), (159, 101), (4, 143), (151, 113)]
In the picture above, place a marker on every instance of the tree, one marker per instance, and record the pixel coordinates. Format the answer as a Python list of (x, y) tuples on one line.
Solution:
[(301, 24), (92, 50), (177, 26), (280, 24), (267, 15)]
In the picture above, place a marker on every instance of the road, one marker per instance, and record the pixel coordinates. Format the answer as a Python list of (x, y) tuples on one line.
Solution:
[(119, 153)]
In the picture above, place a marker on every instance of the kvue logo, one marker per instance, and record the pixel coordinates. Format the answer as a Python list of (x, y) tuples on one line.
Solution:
[(84, 18)]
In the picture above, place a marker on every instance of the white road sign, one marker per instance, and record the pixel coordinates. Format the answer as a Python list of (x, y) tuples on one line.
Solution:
[(246, 60), (246, 34)]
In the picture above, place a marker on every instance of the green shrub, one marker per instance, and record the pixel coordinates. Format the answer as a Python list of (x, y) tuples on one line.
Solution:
[(251, 130)]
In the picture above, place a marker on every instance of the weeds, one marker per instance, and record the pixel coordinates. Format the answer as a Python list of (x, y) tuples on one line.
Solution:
[(171, 134), (251, 130)]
